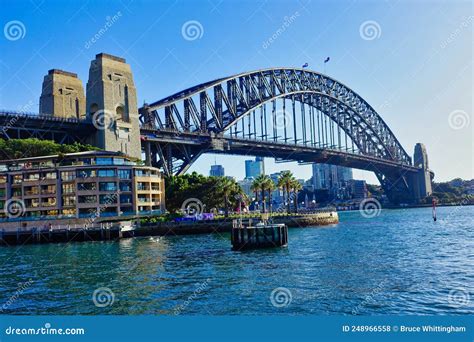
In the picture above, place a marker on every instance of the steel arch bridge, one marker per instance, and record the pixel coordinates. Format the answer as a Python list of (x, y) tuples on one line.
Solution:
[(286, 113)]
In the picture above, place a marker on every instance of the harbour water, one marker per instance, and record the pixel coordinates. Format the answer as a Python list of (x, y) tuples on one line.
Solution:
[(399, 262)]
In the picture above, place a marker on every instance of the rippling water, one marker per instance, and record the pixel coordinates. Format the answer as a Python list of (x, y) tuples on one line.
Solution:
[(400, 262)]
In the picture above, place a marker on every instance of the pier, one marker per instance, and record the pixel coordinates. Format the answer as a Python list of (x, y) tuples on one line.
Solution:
[(249, 236)]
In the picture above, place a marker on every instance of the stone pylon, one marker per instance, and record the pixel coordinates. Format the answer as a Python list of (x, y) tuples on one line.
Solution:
[(112, 105)]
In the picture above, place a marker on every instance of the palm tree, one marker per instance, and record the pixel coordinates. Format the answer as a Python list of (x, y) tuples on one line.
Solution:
[(285, 182), (255, 187), (227, 187), (270, 186), (262, 182), (296, 187)]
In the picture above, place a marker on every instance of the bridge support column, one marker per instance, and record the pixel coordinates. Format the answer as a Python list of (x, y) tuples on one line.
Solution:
[(422, 186), (147, 154)]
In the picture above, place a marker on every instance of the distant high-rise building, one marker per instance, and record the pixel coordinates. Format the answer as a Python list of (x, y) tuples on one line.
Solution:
[(358, 188), (326, 176), (254, 168), (217, 171)]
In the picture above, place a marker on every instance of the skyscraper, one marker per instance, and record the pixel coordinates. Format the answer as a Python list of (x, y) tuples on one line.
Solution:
[(217, 171), (254, 168)]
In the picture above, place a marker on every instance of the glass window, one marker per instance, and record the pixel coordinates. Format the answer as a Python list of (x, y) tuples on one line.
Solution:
[(125, 174), (141, 173), (32, 176), (87, 199), (107, 186), (69, 200), (119, 161), (86, 173), (108, 199), (126, 199), (104, 161), (106, 173), (68, 175), (68, 188), (86, 186), (124, 186), (49, 175)]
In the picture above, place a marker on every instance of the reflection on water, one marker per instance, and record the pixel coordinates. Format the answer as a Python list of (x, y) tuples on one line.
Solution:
[(400, 262)]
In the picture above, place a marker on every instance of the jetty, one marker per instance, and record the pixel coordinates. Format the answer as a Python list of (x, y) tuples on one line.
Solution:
[(260, 235)]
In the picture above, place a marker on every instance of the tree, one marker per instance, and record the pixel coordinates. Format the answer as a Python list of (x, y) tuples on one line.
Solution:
[(263, 182), (296, 187), (285, 182)]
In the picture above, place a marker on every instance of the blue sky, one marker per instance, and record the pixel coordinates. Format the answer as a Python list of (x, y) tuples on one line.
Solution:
[(416, 72)]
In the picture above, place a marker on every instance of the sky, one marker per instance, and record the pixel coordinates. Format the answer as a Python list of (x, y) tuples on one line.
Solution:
[(410, 60)]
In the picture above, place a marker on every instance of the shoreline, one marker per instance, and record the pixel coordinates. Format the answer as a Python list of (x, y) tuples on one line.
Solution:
[(114, 232)]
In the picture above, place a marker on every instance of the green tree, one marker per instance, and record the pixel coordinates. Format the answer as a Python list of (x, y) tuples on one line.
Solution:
[(285, 182), (295, 187)]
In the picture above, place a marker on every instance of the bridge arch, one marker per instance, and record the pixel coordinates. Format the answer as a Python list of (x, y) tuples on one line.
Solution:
[(326, 117), (215, 106)]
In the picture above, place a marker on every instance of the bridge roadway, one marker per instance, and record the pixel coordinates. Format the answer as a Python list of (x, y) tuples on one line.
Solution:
[(218, 143)]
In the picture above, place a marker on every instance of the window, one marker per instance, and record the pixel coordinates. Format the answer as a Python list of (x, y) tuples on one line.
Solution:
[(119, 161), (49, 175), (106, 173), (32, 177), (104, 161), (87, 199), (125, 174), (68, 175), (48, 189), (86, 186), (86, 173), (31, 190), (126, 199), (108, 199), (69, 212), (107, 186), (68, 188), (141, 173), (69, 201), (125, 186), (143, 186)]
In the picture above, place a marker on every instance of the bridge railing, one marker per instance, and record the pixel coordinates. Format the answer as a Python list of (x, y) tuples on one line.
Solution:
[(22, 114)]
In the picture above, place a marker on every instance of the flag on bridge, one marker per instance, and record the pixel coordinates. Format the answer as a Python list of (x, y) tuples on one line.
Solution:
[(326, 60), (305, 65)]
